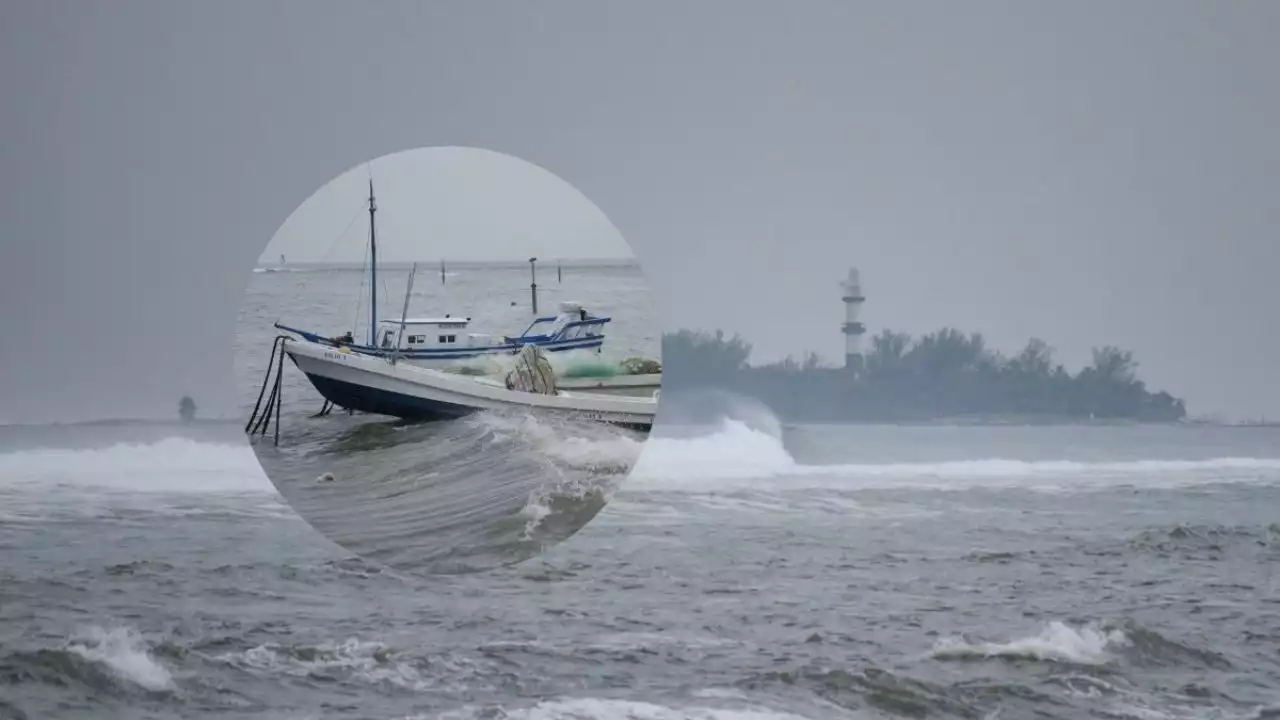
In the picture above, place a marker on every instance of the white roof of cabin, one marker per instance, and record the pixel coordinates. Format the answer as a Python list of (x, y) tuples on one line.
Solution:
[(426, 321)]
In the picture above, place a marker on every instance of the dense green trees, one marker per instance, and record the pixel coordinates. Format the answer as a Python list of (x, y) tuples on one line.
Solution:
[(945, 374)]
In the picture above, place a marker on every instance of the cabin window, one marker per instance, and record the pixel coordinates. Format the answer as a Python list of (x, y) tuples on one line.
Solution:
[(441, 339), (453, 338)]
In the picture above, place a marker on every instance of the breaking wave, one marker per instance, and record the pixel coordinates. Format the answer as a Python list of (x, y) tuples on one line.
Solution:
[(735, 455), (171, 465), (1057, 641), (115, 661)]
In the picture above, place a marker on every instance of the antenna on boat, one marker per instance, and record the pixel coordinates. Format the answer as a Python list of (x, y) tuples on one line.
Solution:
[(533, 283), (404, 314), (373, 270)]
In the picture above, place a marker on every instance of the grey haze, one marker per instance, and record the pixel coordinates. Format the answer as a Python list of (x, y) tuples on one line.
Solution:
[(1089, 173)]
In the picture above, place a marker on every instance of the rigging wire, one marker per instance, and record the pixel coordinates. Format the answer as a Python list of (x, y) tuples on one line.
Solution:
[(324, 258), (364, 266)]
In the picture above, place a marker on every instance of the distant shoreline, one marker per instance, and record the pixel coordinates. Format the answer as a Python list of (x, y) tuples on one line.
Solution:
[(946, 377), (542, 264), (103, 432)]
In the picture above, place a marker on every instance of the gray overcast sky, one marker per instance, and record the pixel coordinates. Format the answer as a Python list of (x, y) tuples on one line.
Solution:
[(451, 203), (1087, 172)]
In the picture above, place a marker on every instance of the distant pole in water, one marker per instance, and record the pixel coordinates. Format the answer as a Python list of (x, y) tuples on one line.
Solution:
[(442, 272), (533, 283), (559, 275), (373, 271)]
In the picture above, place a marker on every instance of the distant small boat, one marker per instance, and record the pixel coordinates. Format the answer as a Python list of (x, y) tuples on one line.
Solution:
[(280, 268)]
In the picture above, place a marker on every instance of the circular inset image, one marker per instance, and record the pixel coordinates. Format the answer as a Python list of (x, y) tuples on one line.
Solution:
[(447, 360)]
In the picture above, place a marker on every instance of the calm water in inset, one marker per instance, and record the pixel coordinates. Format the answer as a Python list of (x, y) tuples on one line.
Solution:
[(742, 574), (450, 496)]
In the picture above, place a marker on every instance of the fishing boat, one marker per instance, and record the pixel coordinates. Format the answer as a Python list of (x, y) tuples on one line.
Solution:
[(384, 386), (433, 341), (380, 378)]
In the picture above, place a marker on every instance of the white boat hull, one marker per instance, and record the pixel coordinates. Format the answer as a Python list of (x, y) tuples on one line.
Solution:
[(369, 384), (628, 385)]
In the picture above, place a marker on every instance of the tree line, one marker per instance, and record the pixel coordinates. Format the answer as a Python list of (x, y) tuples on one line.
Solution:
[(944, 374)]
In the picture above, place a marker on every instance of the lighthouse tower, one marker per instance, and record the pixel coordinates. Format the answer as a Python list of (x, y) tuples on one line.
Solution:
[(853, 329)]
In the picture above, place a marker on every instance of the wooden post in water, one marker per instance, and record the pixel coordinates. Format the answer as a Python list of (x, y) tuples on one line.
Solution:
[(533, 283)]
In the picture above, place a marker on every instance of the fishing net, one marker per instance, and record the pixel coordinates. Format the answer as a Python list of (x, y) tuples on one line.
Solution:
[(590, 370), (630, 366), (640, 366), (532, 372)]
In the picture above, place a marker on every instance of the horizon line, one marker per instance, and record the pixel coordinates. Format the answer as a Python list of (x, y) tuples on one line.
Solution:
[(262, 262)]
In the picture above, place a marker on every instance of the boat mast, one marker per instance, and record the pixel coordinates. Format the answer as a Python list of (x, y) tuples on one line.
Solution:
[(373, 271), (404, 314)]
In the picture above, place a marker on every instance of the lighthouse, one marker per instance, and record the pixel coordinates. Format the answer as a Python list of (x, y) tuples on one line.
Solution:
[(853, 329)]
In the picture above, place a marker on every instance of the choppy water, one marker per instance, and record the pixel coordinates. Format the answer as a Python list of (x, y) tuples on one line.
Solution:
[(451, 496), (826, 572)]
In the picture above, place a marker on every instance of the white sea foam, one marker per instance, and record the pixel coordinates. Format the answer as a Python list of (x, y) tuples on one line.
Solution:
[(125, 654), (735, 456), (1056, 641), (171, 465), (582, 447), (362, 660), (610, 709)]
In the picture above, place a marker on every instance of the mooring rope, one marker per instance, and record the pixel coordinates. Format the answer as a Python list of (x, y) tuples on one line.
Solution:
[(275, 345), (258, 424), (324, 409)]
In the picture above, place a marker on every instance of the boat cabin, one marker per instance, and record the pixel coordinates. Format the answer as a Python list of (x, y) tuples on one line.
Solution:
[(426, 334), (571, 323)]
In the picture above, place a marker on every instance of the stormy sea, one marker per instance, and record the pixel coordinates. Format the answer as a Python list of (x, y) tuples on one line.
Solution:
[(746, 570)]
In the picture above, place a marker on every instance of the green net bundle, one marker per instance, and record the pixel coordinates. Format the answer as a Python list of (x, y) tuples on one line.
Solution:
[(590, 370), (640, 366), (601, 369)]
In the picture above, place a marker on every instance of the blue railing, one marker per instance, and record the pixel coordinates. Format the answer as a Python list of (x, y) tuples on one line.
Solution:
[(525, 337)]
